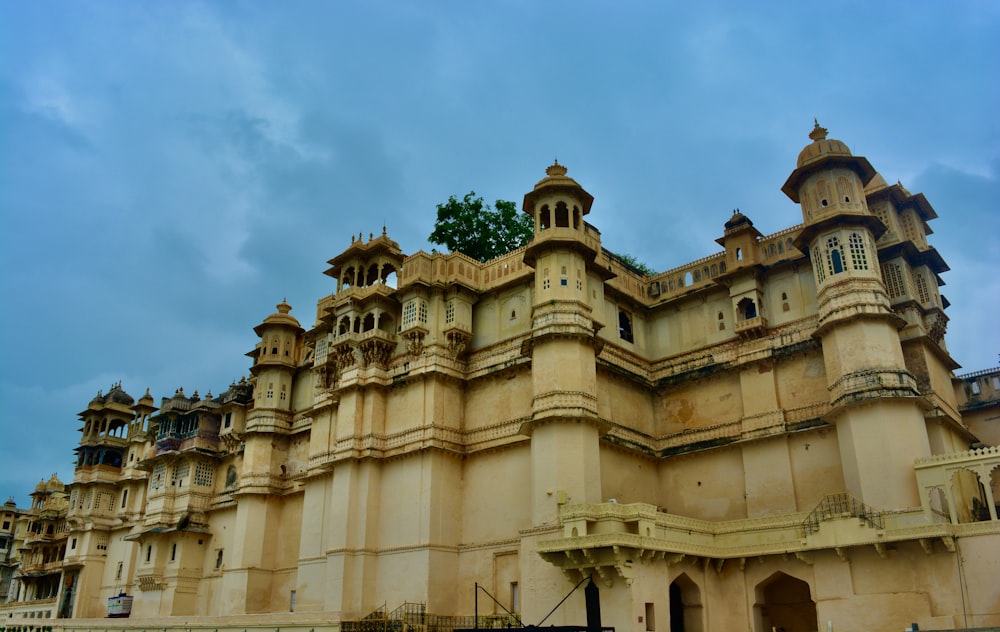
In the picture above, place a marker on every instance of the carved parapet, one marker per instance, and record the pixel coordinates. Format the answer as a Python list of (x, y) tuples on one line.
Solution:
[(150, 582), (872, 384), (751, 327)]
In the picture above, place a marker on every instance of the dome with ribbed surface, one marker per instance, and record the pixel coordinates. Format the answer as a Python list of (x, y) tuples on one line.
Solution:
[(821, 147)]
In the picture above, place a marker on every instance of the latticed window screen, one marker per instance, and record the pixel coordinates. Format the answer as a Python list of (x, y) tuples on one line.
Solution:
[(922, 291), (449, 312), (818, 265), (423, 311), (203, 474), (181, 471), (881, 211), (410, 313), (159, 476), (859, 258), (834, 256), (893, 279), (844, 189), (909, 225)]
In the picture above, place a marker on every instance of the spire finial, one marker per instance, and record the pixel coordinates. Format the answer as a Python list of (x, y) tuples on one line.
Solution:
[(818, 133), (556, 169)]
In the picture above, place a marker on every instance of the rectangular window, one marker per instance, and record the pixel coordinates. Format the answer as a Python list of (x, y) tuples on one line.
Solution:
[(6, 524), (515, 597), (173, 552), (149, 552), (72, 545), (228, 420), (650, 618), (124, 497)]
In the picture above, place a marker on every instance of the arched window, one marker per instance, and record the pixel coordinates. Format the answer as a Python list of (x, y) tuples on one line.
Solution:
[(544, 218), (822, 193), (722, 322), (844, 189), (562, 215), (625, 326), (859, 258), (834, 256), (747, 309)]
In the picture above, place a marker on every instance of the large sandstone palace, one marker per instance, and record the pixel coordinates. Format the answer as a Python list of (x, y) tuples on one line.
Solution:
[(771, 437)]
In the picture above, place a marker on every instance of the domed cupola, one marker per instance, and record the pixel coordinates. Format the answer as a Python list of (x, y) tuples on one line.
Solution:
[(278, 334), (828, 181), (558, 203)]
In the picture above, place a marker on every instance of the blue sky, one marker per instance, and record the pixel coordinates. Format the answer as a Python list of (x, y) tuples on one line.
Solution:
[(169, 171)]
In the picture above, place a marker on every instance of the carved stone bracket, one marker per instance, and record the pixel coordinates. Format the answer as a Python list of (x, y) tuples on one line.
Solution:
[(415, 341), (458, 340), (376, 352)]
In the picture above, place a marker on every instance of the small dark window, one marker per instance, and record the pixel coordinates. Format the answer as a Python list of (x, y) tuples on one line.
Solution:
[(228, 420), (847, 199), (218, 559), (562, 281), (149, 552), (173, 552), (824, 203), (274, 351), (838, 264), (124, 497), (625, 326)]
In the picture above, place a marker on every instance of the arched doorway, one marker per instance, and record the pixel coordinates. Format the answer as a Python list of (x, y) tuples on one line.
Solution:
[(784, 603), (685, 605)]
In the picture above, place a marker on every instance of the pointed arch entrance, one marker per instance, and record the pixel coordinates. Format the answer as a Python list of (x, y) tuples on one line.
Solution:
[(784, 603), (686, 614)]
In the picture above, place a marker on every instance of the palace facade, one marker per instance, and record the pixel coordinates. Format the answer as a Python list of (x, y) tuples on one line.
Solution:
[(771, 437)]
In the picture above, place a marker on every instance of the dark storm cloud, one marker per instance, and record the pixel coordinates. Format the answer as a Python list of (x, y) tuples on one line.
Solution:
[(169, 172)]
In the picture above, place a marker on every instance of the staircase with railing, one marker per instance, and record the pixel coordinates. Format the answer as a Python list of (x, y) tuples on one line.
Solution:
[(841, 505)]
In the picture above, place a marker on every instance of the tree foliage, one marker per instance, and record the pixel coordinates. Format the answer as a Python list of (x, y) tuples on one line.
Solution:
[(636, 265), (478, 230)]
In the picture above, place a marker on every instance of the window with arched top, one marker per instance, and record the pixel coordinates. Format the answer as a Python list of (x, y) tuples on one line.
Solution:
[(544, 218), (746, 309), (844, 189), (739, 254), (834, 256), (625, 326), (822, 193), (722, 322), (562, 215)]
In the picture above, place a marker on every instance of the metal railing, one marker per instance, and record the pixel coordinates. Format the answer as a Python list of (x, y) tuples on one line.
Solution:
[(841, 505)]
